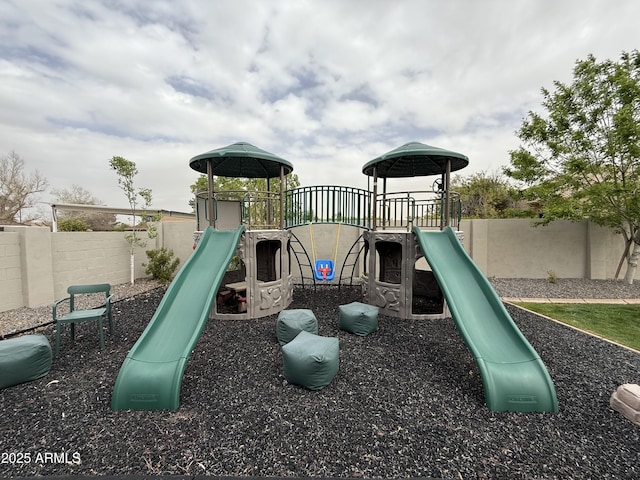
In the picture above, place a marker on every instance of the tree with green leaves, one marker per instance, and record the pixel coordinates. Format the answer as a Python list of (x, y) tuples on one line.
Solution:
[(126, 171), (488, 195), (221, 184), (582, 159)]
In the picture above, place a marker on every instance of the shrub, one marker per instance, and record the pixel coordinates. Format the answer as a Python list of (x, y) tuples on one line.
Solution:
[(72, 225), (519, 213), (161, 264), (234, 264)]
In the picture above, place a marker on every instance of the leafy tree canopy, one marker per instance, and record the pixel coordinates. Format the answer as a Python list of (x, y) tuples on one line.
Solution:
[(488, 195), (582, 159), (221, 184), (238, 184)]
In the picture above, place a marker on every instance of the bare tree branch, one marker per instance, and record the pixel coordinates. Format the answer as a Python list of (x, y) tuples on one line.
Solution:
[(18, 191)]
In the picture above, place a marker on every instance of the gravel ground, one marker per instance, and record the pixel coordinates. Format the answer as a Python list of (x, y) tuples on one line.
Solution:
[(20, 320), (408, 401), (565, 288)]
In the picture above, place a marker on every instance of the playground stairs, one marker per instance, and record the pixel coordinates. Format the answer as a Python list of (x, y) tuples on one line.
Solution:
[(351, 261), (304, 261)]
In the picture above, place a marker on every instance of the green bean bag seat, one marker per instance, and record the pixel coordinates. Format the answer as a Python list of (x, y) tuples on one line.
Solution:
[(311, 360), (358, 318), (23, 359), (291, 322)]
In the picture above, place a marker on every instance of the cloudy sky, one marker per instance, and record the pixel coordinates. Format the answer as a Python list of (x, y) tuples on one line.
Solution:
[(325, 84)]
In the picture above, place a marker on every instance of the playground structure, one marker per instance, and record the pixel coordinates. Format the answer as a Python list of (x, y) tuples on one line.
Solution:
[(383, 255), (406, 255)]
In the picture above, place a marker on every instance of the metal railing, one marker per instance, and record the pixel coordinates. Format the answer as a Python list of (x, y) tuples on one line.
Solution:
[(416, 208), (338, 204), (257, 209), (261, 210), (328, 204)]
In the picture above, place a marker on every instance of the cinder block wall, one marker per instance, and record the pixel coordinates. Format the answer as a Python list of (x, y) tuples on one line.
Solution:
[(10, 271), (36, 266), (514, 248), (93, 257), (178, 236)]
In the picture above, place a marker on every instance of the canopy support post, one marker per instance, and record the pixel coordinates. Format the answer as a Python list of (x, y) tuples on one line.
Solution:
[(282, 189), (384, 203), (375, 198), (447, 182), (212, 216)]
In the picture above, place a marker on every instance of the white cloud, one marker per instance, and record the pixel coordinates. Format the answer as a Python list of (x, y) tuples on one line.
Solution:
[(327, 85)]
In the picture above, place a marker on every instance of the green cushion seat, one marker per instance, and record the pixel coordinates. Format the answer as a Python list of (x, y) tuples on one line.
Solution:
[(291, 322), (358, 318), (310, 360), (23, 359)]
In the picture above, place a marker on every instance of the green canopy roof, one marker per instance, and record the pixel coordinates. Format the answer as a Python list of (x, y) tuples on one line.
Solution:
[(241, 160), (415, 159)]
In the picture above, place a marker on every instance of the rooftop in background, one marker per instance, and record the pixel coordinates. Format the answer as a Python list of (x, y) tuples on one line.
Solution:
[(119, 211), (241, 160), (116, 211), (415, 159)]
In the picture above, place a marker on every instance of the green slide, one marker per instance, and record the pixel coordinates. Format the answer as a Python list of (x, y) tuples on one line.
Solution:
[(514, 376), (151, 374)]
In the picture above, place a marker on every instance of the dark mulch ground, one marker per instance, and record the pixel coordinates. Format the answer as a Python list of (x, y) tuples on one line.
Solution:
[(407, 401)]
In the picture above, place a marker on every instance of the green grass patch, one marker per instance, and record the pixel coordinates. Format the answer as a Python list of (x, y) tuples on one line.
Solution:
[(620, 323)]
